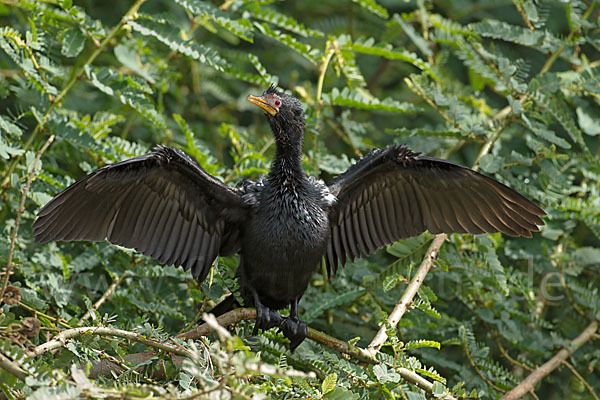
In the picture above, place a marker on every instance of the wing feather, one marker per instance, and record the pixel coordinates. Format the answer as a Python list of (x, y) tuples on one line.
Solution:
[(393, 193), (163, 204)]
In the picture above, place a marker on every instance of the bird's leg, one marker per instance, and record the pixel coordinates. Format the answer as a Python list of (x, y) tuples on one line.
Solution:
[(292, 328), (265, 317)]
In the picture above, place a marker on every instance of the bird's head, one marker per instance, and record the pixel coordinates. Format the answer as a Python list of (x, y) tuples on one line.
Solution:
[(284, 112)]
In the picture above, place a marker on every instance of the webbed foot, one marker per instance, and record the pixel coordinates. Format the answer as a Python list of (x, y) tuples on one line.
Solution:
[(266, 318), (295, 330)]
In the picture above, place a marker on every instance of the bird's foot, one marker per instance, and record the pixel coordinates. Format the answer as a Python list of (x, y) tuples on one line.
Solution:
[(266, 319), (295, 330)]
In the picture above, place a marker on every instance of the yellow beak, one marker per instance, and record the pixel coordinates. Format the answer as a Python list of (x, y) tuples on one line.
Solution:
[(266, 107)]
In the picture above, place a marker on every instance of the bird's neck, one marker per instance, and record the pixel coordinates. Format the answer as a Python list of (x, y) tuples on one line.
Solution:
[(287, 164)]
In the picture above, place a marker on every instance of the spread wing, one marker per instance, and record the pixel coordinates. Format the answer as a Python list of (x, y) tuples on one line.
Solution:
[(162, 204), (393, 193)]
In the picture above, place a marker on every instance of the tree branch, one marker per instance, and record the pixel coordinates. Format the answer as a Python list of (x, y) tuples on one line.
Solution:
[(409, 294), (61, 339), (529, 383), (12, 367)]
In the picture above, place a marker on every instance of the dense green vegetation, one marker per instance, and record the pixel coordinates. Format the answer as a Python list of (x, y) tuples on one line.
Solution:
[(511, 88)]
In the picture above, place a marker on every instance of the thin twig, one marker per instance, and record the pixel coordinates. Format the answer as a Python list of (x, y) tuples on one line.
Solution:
[(58, 321), (476, 368), (116, 282), (504, 352), (542, 371), (578, 376), (409, 294), (20, 211)]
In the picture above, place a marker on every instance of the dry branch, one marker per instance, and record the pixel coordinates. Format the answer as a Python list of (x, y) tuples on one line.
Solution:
[(542, 371), (12, 367), (409, 294), (61, 339)]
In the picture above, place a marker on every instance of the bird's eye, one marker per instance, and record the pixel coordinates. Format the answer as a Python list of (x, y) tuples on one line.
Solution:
[(277, 103)]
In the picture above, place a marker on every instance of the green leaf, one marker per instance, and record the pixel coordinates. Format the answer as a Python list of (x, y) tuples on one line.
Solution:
[(541, 130), (129, 58), (542, 41), (345, 62), (585, 256), (491, 164), (392, 281), (424, 132), (128, 90), (16, 48), (415, 344), (368, 46), (413, 35), (545, 93), (427, 308), (311, 54), (341, 394), (241, 28), (588, 124), (329, 383), (262, 71), (283, 21), (171, 36), (493, 264), (384, 376), (72, 43), (364, 101), (431, 373), (438, 389), (372, 7), (333, 164)]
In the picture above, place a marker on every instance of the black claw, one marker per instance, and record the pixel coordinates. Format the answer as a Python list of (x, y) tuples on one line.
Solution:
[(265, 319), (295, 330)]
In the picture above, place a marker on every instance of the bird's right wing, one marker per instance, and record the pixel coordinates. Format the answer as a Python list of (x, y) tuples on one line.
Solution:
[(393, 193), (162, 204)]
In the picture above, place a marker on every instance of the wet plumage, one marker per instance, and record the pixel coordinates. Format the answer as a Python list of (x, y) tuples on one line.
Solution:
[(166, 206)]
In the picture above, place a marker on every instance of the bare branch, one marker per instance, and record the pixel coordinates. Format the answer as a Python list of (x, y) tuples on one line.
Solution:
[(529, 383), (13, 368), (61, 339), (409, 294)]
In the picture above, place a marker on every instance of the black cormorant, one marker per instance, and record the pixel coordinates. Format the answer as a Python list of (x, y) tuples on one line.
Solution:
[(166, 206)]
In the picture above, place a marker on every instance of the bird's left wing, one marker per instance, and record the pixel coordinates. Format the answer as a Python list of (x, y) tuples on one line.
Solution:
[(393, 193), (162, 204)]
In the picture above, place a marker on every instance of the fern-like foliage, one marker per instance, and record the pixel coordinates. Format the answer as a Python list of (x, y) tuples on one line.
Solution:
[(511, 90)]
